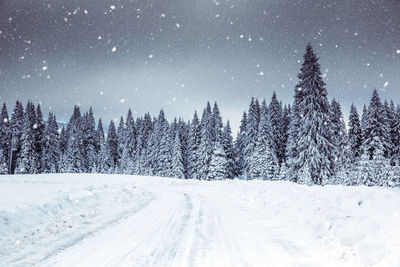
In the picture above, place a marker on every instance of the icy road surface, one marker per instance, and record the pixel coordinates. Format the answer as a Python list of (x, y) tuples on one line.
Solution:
[(113, 220)]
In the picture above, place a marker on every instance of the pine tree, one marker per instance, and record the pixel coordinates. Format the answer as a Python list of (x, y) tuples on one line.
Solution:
[(3, 163), (177, 170), (163, 153), (73, 160), (355, 134), (28, 160), (396, 137), (193, 147), (286, 115), (264, 163), (227, 144), (17, 120), (217, 168), (50, 145), (112, 145), (276, 118), (339, 138), (376, 129), (240, 145), (206, 143), (38, 130), (314, 148), (253, 120), (127, 164), (90, 142), (5, 136)]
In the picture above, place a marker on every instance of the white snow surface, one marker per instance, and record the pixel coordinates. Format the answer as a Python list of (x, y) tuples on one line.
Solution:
[(117, 220)]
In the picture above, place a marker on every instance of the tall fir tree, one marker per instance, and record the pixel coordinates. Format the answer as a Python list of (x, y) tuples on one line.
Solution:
[(177, 169), (218, 163), (355, 134), (17, 121), (240, 145), (28, 160), (206, 143), (276, 117), (253, 119), (264, 163), (50, 146), (227, 144), (5, 135), (193, 147), (314, 135), (112, 145)]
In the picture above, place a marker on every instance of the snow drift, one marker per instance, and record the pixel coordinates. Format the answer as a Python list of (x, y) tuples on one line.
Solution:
[(115, 220)]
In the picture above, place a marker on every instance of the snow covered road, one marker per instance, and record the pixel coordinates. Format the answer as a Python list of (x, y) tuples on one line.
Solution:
[(148, 221)]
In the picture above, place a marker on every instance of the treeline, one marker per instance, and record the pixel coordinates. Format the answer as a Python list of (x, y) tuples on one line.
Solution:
[(306, 142)]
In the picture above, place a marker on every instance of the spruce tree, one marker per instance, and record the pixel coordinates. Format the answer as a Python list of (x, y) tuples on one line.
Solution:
[(28, 160), (253, 120), (177, 170), (5, 136), (276, 118), (264, 163), (218, 163), (227, 144), (314, 135), (376, 129), (17, 120), (90, 142), (50, 145), (112, 145), (206, 143), (193, 147), (127, 164), (355, 134), (38, 130), (240, 145)]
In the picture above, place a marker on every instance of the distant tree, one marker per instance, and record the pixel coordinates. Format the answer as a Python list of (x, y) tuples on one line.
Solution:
[(5, 136), (240, 145), (112, 145), (193, 147), (217, 169), (355, 134), (227, 143), (253, 119), (50, 145), (177, 170), (206, 143), (275, 114)]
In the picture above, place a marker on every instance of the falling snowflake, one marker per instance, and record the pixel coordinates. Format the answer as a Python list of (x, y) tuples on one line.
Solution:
[(44, 68), (177, 25), (398, 51), (385, 84), (114, 49), (122, 100), (112, 7), (151, 56)]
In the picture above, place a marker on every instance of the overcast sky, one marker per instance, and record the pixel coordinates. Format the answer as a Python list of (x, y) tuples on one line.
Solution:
[(178, 54)]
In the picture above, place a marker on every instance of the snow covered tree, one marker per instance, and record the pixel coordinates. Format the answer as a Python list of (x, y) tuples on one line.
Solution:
[(163, 152), (50, 145), (28, 160), (38, 130), (3, 163), (227, 143), (90, 142), (5, 135), (216, 124), (376, 130), (193, 147), (112, 145), (314, 144), (17, 120), (73, 160), (276, 120), (355, 134), (286, 115), (240, 145), (217, 168), (396, 137), (177, 170), (339, 139), (264, 162), (253, 119), (128, 139), (206, 143)]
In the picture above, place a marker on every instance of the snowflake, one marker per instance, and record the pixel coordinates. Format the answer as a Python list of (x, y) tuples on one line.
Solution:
[(5, 120), (114, 49), (112, 7), (398, 51), (44, 68), (122, 100), (385, 84), (177, 25), (151, 56)]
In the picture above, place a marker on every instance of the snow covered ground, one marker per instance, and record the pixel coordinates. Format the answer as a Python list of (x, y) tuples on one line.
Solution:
[(113, 220)]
